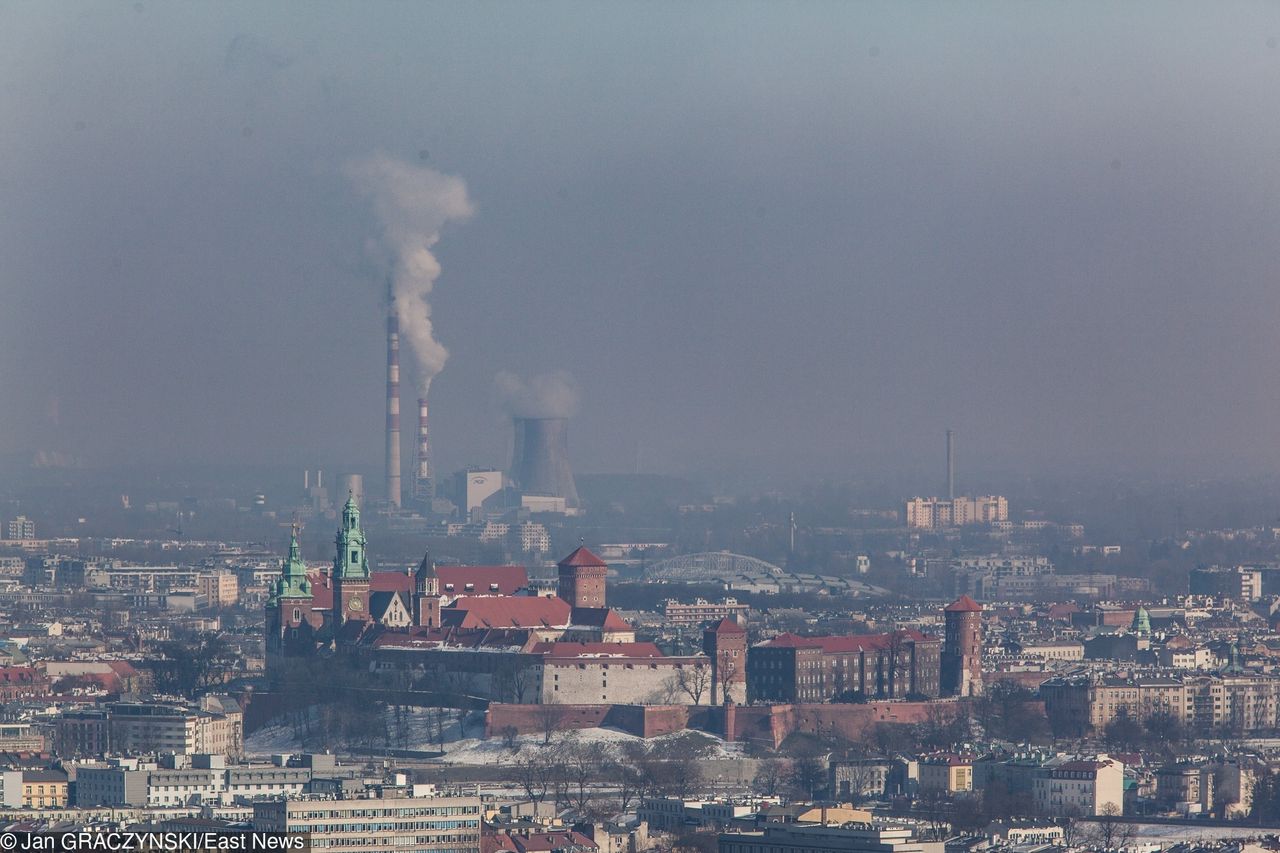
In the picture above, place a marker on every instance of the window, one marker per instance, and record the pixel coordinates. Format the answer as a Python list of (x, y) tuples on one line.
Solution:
[(355, 556)]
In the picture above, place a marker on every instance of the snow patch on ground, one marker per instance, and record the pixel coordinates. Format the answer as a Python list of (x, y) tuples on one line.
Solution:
[(417, 729)]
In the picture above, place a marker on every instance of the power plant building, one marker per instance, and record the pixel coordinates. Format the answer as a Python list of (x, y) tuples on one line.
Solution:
[(472, 487)]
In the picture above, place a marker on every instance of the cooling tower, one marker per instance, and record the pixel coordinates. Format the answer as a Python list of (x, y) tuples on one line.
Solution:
[(540, 459), (352, 484)]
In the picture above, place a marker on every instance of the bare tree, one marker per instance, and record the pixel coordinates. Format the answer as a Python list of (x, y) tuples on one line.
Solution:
[(548, 718), (513, 682), (532, 773), (626, 776), (1072, 832), (770, 775), (693, 681), (896, 653), (437, 722), (675, 765), (726, 674), (1111, 831), (584, 765), (509, 735)]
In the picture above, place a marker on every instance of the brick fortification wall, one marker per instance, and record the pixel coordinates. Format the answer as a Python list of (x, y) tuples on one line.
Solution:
[(639, 720), (764, 724), (771, 724)]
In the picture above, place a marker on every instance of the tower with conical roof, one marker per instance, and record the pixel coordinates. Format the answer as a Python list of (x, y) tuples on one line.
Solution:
[(350, 569), (581, 579), (426, 594)]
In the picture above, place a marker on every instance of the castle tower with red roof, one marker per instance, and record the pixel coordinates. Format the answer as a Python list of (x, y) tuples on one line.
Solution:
[(726, 644), (581, 580), (962, 648)]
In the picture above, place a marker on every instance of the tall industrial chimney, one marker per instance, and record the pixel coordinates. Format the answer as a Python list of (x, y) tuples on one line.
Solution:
[(423, 484), (393, 403), (951, 464), (540, 459)]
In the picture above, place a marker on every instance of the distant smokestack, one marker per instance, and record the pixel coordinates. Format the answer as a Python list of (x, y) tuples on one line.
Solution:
[(393, 406), (423, 485), (306, 479), (951, 464), (540, 461)]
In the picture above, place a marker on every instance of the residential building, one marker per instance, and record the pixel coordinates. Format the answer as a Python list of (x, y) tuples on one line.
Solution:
[(1086, 787), (22, 528), (221, 588), (936, 513), (215, 726), (377, 825), (859, 778), (946, 773), (791, 668), (1242, 583), (848, 838), (43, 789), (702, 611)]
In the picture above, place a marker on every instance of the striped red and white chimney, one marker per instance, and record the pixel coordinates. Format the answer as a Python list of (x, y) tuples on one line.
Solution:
[(393, 406), (422, 485)]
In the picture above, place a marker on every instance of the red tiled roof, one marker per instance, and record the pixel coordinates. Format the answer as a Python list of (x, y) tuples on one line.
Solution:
[(506, 612), (598, 617), (321, 591), (483, 579), (18, 674), (582, 557), (562, 651), (963, 604), (545, 842), (833, 645), (1081, 766), (728, 625), (390, 582), (420, 638)]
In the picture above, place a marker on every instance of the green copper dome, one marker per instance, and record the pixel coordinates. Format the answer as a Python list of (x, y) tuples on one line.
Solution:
[(350, 561), (293, 582), (1141, 622)]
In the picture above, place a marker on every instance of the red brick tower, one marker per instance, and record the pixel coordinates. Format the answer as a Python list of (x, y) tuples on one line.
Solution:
[(426, 594), (962, 648), (581, 580), (726, 644)]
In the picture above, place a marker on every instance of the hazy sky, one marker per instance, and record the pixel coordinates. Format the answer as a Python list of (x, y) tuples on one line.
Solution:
[(785, 235)]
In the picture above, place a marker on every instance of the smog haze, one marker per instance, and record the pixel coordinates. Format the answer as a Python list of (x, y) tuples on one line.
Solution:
[(800, 239)]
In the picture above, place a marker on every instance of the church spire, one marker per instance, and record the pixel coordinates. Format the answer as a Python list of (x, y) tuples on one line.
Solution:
[(350, 562), (293, 582)]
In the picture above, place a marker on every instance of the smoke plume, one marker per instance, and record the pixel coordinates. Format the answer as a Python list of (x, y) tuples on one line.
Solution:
[(412, 204), (548, 395)]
